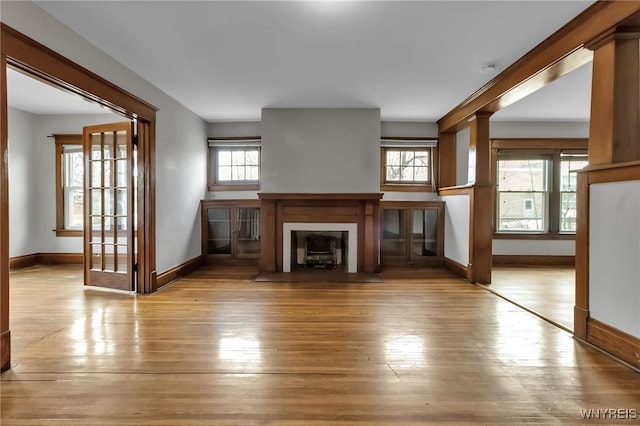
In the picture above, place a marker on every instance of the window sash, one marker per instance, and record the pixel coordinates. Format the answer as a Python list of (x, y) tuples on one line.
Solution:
[(236, 165), (560, 190), (405, 168)]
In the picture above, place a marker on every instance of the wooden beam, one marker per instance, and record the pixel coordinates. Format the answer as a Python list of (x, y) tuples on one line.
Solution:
[(559, 54)]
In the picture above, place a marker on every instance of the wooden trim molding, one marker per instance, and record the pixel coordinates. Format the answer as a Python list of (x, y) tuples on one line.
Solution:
[(616, 342), (559, 54), (456, 190), (540, 143), (40, 61), (179, 271), (522, 236), (5, 336), (514, 259), (45, 259), (5, 350), (455, 267), (23, 261)]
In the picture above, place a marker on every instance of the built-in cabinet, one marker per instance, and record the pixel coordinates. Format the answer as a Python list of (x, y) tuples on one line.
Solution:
[(230, 231), (412, 233)]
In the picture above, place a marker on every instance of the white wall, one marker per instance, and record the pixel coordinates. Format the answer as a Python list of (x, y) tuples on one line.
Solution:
[(456, 228), (539, 129), (180, 134), (22, 182), (534, 247), (234, 129), (463, 139), (614, 255), (409, 129), (320, 150)]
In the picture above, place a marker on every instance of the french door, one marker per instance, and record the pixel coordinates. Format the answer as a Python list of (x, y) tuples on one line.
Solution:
[(109, 206)]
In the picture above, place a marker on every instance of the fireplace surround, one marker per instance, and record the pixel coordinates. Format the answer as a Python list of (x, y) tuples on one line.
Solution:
[(358, 213)]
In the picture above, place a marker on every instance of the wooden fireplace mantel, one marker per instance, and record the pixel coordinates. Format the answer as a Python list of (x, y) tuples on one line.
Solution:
[(360, 208), (320, 196)]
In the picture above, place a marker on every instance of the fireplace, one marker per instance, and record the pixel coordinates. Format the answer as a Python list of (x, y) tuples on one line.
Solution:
[(348, 222), (320, 245)]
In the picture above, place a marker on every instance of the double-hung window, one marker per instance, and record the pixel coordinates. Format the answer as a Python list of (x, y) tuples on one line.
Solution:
[(536, 185), (523, 193), (69, 185), (234, 164), (570, 161), (406, 164)]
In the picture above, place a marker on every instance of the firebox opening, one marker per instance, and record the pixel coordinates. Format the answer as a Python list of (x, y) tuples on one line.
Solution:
[(319, 250)]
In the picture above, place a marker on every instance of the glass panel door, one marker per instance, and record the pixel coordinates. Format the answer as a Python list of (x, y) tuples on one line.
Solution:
[(394, 232), (219, 238), (424, 233), (248, 231), (109, 206)]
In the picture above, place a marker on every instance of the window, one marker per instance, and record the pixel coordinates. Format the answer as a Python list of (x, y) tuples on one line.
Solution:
[(523, 194), (69, 185), (234, 164), (569, 163), (536, 185), (406, 165)]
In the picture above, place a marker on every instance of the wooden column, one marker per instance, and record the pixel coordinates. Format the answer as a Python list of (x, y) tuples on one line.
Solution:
[(5, 334), (481, 225), (581, 307), (447, 159), (268, 231), (614, 132)]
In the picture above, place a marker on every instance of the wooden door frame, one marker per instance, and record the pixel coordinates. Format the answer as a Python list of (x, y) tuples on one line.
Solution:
[(42, 63)]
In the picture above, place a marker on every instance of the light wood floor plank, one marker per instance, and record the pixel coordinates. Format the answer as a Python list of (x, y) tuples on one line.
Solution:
[(215, 349)]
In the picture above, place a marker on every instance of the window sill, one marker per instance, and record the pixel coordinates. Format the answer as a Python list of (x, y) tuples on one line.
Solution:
[(68, 233), (234, 187), (532, 236), (400, 187)]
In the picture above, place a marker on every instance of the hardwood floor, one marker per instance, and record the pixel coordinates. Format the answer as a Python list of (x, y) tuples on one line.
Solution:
[(216, 348), (547, 290)]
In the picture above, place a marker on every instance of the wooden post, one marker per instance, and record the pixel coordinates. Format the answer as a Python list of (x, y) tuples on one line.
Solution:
[(446, 159), (614, 131), (482, 206)]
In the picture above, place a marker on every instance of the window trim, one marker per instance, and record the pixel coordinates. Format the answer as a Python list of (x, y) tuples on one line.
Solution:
[(408, 144), (60, 141), (542, 148), (240, 143)]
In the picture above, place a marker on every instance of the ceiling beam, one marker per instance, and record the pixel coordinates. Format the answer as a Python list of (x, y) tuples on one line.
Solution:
[(559, 54)]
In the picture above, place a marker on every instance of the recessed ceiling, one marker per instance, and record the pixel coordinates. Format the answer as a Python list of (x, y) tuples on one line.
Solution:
[(415, 60)]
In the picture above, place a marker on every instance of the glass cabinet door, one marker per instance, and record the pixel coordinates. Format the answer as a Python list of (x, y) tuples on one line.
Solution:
[(394, 232), (248, 231), (424, 235), (219, 225)]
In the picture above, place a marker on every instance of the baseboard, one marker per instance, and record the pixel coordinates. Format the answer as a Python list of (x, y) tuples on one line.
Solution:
[(527, 259), (60, 258), (23, 261), (45, 259), (176, 272), (616, 342), (455, 267), (5, 351)]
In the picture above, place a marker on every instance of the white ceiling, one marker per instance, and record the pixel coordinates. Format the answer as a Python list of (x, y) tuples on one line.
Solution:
[(415, 60)]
